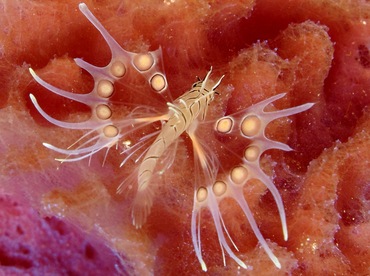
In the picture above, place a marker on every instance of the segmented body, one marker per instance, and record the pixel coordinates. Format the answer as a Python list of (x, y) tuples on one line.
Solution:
[(211, 185), (182, 114)]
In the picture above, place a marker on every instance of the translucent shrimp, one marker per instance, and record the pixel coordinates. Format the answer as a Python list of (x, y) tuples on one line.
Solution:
[(155, 151), (183, 113)]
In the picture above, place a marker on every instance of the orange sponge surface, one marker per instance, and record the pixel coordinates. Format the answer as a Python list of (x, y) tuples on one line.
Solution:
[(313, 50)]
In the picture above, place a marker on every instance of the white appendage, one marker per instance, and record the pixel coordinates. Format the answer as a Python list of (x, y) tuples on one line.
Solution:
[(250, 124)]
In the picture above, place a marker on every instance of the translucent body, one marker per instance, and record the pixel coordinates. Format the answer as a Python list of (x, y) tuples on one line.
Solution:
[(182, 117), (183, 113)]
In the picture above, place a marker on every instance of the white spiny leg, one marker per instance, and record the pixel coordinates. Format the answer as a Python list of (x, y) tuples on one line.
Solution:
[(239, 197), (104, 132), (206, 164), (250, 124)]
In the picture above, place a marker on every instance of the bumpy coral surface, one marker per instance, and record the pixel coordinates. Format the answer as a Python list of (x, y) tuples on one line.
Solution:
[(315, 51)]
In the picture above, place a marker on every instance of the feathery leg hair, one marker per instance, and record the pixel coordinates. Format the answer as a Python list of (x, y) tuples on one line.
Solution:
[(184, 115)]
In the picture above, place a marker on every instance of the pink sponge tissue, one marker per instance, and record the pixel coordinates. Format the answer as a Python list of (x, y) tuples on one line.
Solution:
[(47, 246)]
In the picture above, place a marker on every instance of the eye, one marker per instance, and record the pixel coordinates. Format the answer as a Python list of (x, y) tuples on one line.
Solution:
[(195, 84)]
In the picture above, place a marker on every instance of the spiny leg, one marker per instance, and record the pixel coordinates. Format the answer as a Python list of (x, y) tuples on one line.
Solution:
[(101, 127), (206, 168), (206, 197), (250, 124)]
